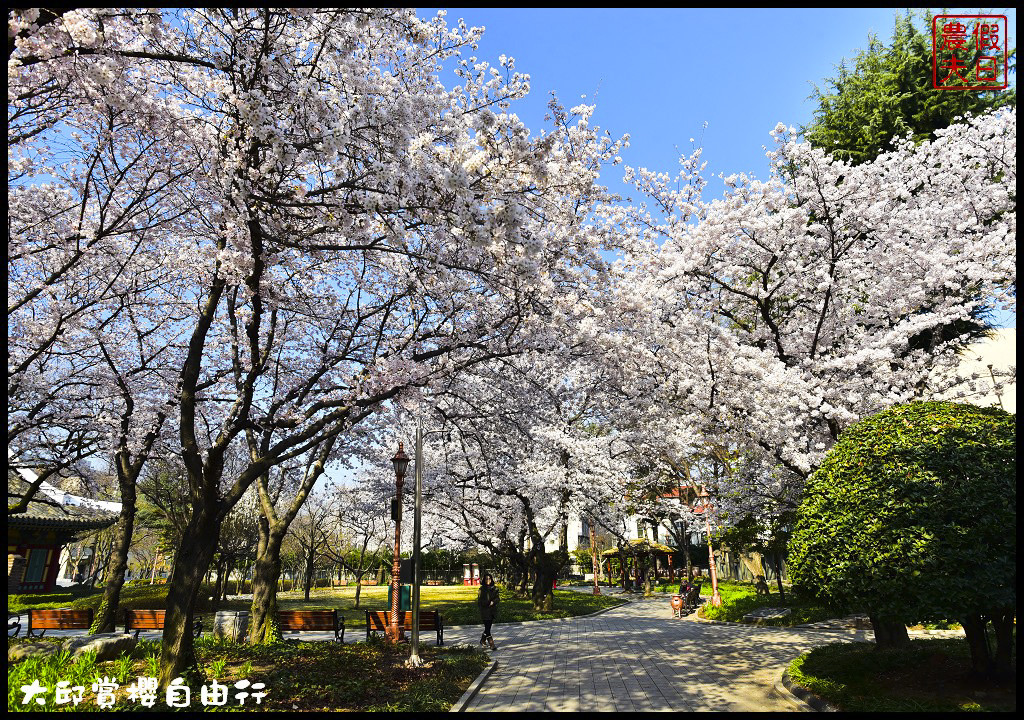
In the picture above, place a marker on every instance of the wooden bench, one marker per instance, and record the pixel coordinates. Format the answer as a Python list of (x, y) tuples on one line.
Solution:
[(380, 620), (60, 619), (139, 620), (299, 620)]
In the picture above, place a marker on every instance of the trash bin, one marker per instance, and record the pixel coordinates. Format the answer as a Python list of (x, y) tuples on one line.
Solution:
[(404, 597), (231, 625)]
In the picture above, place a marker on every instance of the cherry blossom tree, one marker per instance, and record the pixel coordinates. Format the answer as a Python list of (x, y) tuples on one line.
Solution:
[(517, 453), (360, 522), (776, 316), (342, 227)]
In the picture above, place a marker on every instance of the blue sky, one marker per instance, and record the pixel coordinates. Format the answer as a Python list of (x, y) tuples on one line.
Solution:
[(660, 74)]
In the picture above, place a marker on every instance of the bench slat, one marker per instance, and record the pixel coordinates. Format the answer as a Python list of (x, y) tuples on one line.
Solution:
[(139, 620), (58, 619), (299, 620), (380, 620)]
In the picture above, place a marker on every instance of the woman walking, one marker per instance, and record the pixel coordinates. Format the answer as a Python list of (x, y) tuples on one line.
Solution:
[(487, 601)]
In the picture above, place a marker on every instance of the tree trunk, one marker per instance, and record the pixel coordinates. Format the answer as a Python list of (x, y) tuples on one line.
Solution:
[(685, 542), (307, 579), (218, 582), (93, 561), (777, 560), (359, 588), (544, 577), (981, 659), (889, 632), (106, 615), (228, 569), (1002, 622), (263, 626), (193, 558)]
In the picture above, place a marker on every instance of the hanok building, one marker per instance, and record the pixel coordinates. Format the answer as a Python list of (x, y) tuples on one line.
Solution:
[(52, 520)]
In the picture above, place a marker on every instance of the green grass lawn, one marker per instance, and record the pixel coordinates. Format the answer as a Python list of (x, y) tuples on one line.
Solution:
[(930, 675), (739, 599), (456, 603), (298, 676)]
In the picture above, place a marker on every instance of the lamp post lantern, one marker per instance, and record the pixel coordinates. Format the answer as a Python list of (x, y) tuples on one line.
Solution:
[(401, 462)]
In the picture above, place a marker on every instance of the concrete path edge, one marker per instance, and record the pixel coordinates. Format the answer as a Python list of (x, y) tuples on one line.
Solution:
[(474, 687), (815, 702)]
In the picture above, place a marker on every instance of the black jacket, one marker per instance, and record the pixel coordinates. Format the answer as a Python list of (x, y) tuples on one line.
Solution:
[(487, 601)]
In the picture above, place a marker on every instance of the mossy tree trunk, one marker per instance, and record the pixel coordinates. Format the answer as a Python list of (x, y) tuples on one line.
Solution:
[(685, 542), (106, 615), (177, 651), (263, 612), (272, 529), (985, 665), (359, 587), (307, 576), (542, 567), (542, 594), (128, 467)]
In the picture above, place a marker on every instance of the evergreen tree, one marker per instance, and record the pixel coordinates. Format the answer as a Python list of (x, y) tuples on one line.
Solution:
[(889, 92)]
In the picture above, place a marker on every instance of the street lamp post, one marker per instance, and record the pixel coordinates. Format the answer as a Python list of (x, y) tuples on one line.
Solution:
[(414, 655), (716, 597), (401, 462)]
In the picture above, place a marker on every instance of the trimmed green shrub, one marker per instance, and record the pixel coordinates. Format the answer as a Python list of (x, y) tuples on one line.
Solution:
[(912, 516)]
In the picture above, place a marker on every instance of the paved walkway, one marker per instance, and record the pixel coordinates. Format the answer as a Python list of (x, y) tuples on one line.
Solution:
[(638, 658)]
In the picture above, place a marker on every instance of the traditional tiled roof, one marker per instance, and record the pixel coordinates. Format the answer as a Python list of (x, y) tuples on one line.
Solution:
[(44, 511)]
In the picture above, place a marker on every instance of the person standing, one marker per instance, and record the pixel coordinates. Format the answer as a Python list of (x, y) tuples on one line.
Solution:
[(487, 601)]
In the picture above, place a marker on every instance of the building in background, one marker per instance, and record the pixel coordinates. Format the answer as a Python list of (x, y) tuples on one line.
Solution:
[(990, 369), (37, 537)]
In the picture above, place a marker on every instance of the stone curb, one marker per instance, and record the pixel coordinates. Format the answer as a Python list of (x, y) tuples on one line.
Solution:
[(473, 688), (786, 694), (815, 702)]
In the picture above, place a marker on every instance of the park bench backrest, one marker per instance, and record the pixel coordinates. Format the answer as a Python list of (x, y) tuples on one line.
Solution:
[(429, 619), (299, 620), (307, 619), (380, 620), (138, 620), (60, 619), (144, 619)]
